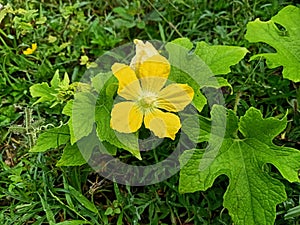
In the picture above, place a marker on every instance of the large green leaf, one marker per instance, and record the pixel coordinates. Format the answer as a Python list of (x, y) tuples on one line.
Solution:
[(286, 42), (219, 58), (252, 194), (199, 67)]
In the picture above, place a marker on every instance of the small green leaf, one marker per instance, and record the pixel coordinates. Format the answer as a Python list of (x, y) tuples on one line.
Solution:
[(43, 91), (66, 81), (52, 138), (83, 200), (52, 39), (252, 194), (55, 82), (83, 115), (109, 211), (51, 94), (117, 211), (67, 110), (80, 153), (286, 42), (71, 157)]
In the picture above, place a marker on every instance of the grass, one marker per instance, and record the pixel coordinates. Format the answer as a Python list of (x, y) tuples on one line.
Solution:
[(34, 191)]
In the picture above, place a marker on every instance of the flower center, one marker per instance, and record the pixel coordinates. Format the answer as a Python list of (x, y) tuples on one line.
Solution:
[(147, 101)]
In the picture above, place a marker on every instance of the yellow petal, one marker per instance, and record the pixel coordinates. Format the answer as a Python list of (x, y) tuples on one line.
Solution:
[(31, 50), (129, 85), (155, 66), (34, 46), (143, 52), (154, 73), (152, 84), (175, 97), (126, 117), (162, 124)]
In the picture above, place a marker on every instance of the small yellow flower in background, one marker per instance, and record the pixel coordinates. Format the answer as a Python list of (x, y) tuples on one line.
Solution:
[(142, 85), (84, 60), (31, 50)]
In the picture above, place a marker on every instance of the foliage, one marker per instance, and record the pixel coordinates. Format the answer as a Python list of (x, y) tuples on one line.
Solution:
[(252, 194), (281, 32), (86, 109), (70, 35)]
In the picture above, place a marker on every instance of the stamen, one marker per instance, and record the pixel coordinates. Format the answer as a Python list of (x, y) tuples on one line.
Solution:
[(147, 101)]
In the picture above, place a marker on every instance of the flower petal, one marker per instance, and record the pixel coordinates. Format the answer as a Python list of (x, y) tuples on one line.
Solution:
[(126, 117), (175, 97), (154, 73), (162, 124), (31, 50), (129, 85), (154, 66), (143, 52)]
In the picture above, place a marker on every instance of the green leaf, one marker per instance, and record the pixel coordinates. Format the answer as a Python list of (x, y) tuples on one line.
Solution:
[(52, 138), (109, 211), (67, 110), (188, 69), (198, 68), (219, 58), (184, 42), (99, 81), (104, 106), (58, 91), (252, 194), (286, 42), (55, 82), (83, 200), (191, 125), (80, 153), (217, 82), (43, 91), (71, 156), (83, 115), (66, 81)]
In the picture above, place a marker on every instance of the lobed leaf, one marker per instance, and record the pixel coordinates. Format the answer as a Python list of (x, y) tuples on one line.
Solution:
[(198, 68), (252, 194), (286, 42)]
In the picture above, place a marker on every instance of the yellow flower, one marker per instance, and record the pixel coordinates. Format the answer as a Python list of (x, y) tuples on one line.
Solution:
[(31, 50), (142, 85)]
